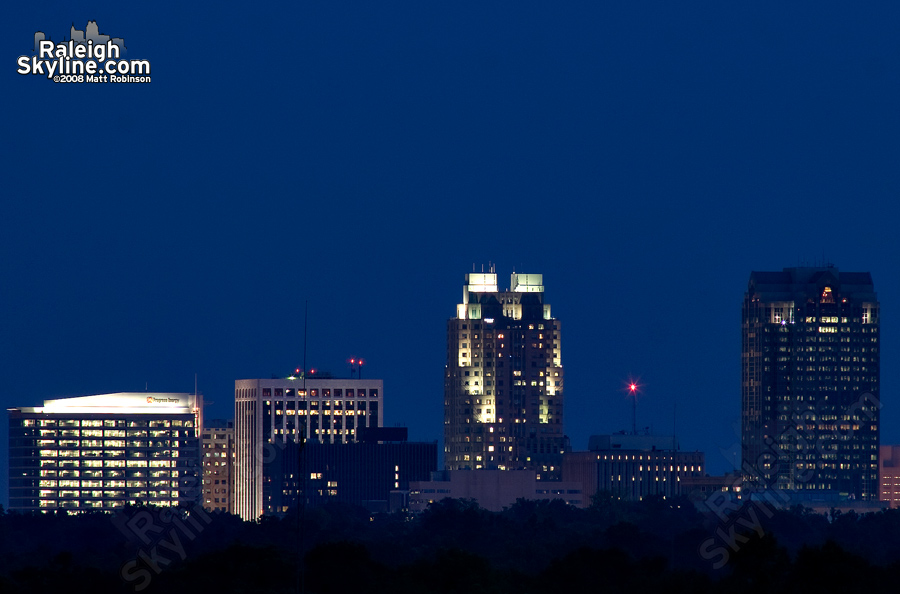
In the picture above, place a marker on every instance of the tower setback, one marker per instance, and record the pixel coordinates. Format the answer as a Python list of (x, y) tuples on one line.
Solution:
[(503, 382)]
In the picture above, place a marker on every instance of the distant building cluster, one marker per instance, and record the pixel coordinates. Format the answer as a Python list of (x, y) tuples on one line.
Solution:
[(810, 398)]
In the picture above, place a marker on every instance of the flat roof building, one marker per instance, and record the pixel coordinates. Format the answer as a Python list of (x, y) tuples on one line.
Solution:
[(218, 465), (269, 414), (102, 452), (633, 466), (810, 384)]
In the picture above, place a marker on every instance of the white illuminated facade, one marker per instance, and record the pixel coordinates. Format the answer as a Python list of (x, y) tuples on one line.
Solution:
[(101, 452), (503, 390), (271, 413)]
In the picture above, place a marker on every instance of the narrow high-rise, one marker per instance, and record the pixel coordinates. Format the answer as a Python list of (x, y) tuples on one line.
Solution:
[(503, 383), (810, 383)]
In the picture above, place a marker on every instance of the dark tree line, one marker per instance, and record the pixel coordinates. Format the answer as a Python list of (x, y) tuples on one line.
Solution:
[(455, 546)]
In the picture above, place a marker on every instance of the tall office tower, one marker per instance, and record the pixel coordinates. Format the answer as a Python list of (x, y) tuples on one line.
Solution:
[(503, 383), (102, 452), (810, 383), (269, 414)]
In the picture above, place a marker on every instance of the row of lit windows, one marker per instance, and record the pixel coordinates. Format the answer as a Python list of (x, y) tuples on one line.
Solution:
[(108, 473), (109, 433), (335, 413), (106, 484), (66, 465), (113, 463), (318, 432), (47, 495), (640, 479), (104, 423), (107, 454)]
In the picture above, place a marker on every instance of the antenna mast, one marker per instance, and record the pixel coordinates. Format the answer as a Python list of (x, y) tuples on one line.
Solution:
[(305, 325)]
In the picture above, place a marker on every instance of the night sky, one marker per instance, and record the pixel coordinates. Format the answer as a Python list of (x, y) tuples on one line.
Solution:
[(363, 156)]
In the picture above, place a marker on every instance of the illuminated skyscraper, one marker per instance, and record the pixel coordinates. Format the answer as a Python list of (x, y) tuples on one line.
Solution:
[(810, 383), (503, 383)]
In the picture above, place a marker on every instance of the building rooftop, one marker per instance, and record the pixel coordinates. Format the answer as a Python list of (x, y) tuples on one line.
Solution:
[(806, 279), (121, 403), (622, 441)]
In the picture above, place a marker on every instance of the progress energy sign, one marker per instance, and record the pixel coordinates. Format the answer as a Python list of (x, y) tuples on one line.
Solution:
[(86, 57)]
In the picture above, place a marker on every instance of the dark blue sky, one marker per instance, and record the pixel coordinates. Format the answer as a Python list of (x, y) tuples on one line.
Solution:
[(644, 157)]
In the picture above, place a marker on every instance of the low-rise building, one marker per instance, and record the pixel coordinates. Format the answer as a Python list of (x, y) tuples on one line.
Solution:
[(374, 473), (889, 474), (492, 489), (632, 466)]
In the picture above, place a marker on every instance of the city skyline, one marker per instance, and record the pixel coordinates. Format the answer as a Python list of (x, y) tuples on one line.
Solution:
[(624, 388), (643, 158)]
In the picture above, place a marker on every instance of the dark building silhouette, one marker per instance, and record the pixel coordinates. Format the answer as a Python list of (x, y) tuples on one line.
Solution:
[(371, 474), (503, 383), (376, 434), (493, 490), (810, 383)]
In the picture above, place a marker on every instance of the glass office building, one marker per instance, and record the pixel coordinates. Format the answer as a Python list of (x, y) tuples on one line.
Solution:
[(102, 452), (811, 383)]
